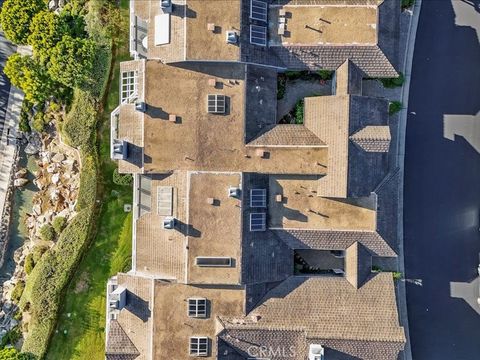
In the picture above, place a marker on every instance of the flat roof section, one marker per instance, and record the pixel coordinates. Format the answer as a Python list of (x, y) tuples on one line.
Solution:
[(203, 43), (323, 25), (302, 208), (172, 325), (161, 252), (214, 220), (199, 140)]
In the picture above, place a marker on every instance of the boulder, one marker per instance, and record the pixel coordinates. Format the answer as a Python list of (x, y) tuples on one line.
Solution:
[(55, 178), (58, 158)]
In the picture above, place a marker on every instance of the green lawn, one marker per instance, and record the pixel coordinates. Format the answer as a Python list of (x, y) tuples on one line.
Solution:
[(81, 323)]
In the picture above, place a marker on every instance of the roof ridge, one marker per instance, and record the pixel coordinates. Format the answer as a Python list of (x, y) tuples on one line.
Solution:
[(122, 343)]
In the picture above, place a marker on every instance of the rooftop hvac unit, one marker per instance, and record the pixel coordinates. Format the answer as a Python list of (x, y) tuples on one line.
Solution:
[(316, 352), (169, 222), (232, 37), (120, 149), (234, 192), (114, 304), (166, 6), (141, 106)]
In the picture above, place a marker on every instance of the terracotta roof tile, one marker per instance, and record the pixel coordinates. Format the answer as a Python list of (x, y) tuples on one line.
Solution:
[(287, 135), (373, 138)]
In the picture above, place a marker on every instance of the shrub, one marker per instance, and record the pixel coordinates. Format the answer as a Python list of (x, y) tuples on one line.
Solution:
[(47, 233), (393, 82), (397, 275), (24, 124), (299, 112), (58, 224), (325, 74), (29, 263), (80, 122), (18, 291), (293, 75), (394, 107), (407, 3), (38, 122), (96, 86), (49, 278), (38, 251), (122, 179), (88, 181), (13, 354)]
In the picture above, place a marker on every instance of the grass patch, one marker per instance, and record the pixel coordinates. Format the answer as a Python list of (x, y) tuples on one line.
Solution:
[(391, 83), (394, 107)]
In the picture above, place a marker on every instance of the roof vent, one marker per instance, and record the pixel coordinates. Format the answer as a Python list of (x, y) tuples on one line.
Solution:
[(232, 37), (316, 352), (234, 192), (168, 222), (141, 106)]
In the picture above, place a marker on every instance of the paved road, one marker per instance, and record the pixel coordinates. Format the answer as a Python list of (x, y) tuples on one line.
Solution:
[(442, 184), (6, 48)]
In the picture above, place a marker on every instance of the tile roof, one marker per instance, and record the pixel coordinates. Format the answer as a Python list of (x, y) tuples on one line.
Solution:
[(334, 240), (358, 264), (287, 135), (265, 257), (355, 350), (375, 60), (322, 306), (283, 344), (328, 118), (348, 79), (351, 171), (119, 345), (135, 317), (373, 138)]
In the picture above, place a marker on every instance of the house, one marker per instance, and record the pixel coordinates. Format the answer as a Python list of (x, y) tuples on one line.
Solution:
[(284, 34), (254, 239)]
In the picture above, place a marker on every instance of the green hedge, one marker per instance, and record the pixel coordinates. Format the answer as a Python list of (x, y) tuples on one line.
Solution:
[(50, 276), (80, 122), (48, 280)]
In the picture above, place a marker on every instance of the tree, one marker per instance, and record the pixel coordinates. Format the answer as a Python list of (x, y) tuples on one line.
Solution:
[(46, 30), (16, 16), (71, 61), (28, 75)]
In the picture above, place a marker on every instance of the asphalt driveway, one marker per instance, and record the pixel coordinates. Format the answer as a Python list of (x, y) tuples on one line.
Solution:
[(442, 183)]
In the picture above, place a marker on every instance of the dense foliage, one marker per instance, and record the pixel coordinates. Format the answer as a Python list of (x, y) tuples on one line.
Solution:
[(16, 17), (71, 61), (122, 179), (12, 354), (58, 224), (29, 75), (48, 279), (47, 233), (80, 123)]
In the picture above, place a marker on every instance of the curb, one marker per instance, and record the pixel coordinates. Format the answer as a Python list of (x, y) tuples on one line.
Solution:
[(402, 128)]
